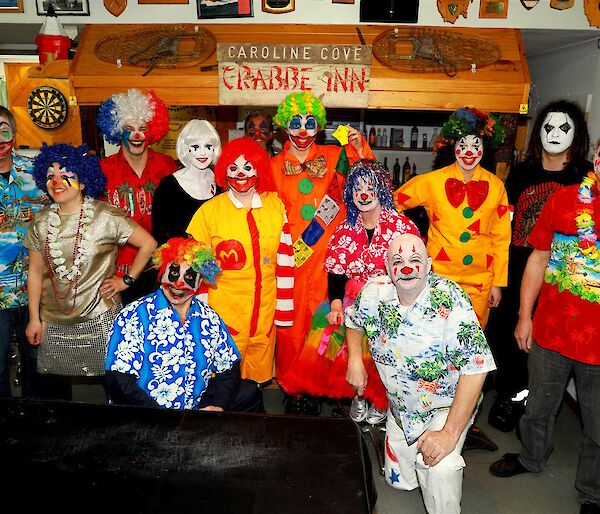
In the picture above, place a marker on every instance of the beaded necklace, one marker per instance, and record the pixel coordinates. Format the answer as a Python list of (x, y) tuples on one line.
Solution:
[(586, 226)]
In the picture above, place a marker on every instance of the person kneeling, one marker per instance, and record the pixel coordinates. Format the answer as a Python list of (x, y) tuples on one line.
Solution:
[(170, 350), (432, 358)]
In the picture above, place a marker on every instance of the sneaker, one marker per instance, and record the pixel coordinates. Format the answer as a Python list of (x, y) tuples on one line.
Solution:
[(359, 409), (376, 416)]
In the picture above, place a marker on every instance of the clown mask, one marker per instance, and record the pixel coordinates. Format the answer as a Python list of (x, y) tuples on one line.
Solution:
[(557, 132), (180, 283), (134, 137), (241, 175), (408, 266), (468, 152), (63, 185), (363, 195), (259, 130), (201, 154), (302, 130), (6, 137)]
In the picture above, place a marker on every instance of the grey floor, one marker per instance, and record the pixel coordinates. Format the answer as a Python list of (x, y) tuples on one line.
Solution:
[(549, 492)]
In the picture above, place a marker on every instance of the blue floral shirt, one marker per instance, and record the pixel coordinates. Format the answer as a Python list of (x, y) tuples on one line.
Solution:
[(422, 350), (173, 362), (20, 199)]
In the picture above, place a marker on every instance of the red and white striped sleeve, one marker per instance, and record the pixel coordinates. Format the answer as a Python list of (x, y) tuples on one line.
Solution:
[(284, 313)]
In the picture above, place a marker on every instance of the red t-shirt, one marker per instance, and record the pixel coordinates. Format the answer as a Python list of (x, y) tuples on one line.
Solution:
[(567, 318), (133, 194)]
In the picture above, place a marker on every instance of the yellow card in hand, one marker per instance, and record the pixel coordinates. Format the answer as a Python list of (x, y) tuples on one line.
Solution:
[(341, 134)]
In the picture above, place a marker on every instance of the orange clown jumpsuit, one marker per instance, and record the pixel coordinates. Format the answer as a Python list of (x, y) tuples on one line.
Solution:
[(302, 187), (469, 228), (254, 289)]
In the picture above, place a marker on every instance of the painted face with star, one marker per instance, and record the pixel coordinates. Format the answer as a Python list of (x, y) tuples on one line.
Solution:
[(180, 282), (557, 132), (63, 185), (134, 137), (201, 153), (364, 196), (241, 175), (408, 265), (302, 130), (468, 152), (7, 137), (259, 130)]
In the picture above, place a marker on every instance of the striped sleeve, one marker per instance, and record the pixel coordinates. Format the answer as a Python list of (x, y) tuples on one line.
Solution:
[(284, 313)]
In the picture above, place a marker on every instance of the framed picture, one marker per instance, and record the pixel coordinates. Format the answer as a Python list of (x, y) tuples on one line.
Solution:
[(278, 6), (493, 9), (11, 5), (141, 2), (389, 11), (224, 9), (64, 7)]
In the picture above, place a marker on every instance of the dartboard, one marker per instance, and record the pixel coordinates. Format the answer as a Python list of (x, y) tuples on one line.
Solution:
[(47, 107)]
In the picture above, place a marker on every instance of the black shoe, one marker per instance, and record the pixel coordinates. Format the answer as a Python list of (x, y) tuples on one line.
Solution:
[(589, 508), (477, 440), (508, 466), (505, 414)]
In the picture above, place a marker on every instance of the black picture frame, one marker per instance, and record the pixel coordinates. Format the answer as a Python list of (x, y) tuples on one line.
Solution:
[(61, 7), (389, 11), (210, 9)]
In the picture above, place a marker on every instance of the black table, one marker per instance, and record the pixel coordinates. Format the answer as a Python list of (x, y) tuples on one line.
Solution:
[(68, 457)]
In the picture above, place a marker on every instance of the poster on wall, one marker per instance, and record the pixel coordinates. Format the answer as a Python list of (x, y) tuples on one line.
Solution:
[(493, 9), (11, 6), (64, 7), (224, 8), (389, 11)]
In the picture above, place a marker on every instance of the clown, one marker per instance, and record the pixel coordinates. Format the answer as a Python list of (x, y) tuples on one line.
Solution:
[(258, 126), (556, 157), (248, 229), (165, 348), (309, 179), (135, 121), (355, 253), (198, 149), (468, 210)]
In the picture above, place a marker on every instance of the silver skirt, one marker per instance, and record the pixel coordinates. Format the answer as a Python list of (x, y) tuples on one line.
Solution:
[(76, 350)]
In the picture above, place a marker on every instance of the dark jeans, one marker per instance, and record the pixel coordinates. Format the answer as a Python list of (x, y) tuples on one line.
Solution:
[(548, 375)]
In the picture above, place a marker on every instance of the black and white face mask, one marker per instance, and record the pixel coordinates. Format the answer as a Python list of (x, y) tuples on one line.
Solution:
[(557, 132)]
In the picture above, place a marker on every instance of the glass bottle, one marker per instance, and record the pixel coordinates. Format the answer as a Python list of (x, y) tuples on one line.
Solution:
[(396, 178), (406, 171), (372, 137), (414, 137), (424, 145), (384, 138), (414, 170), (385, 165), (378, 143)]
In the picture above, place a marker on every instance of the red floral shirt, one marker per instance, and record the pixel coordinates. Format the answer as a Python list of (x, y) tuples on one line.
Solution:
[(133, 194)]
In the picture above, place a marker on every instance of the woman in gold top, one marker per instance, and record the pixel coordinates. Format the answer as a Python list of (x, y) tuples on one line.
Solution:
[(72, 290)]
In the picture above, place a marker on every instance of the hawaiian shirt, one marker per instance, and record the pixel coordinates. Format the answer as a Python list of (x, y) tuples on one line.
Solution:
[(422, 350), (173, 362), (20, 199)]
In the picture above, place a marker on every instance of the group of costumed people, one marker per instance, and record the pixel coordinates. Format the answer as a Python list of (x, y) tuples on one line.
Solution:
[(262, 256)]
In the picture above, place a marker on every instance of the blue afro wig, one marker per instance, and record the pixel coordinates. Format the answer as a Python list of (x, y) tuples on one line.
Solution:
[(379, 176), (75, 159)]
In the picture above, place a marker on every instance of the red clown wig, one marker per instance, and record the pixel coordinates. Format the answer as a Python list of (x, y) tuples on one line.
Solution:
[(253, 153)]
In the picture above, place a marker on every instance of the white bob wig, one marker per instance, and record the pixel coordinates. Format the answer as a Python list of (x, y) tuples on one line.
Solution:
[(194, 131)]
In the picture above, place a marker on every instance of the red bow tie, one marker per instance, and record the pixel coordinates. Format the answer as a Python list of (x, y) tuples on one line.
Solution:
[(476, 191)]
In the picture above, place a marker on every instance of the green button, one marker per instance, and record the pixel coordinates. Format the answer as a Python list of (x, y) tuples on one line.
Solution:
[(468, 212), (464, 237), (467, 259), (308, 211), (305, 186)]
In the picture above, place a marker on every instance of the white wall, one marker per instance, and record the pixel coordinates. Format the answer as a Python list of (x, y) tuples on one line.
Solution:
[(320, 12)]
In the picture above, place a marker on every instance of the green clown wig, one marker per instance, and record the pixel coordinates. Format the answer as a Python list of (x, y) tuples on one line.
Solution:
[(300, 103)]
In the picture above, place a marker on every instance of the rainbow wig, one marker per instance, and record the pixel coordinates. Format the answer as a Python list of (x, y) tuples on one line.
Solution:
[(75, 159), (120, 108), (181, 249), (253, 153), (300, 103), (374, 171), (468, 121), (194, 131)]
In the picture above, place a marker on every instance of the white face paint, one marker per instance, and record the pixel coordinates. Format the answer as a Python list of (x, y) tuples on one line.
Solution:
[(241, 175), (201, 154), (408, 265), (557, 132), (364, 196), (302, 130), (180, 282), (468, 151)]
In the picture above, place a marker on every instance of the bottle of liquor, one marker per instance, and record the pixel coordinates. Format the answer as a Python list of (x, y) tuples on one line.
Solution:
[(406, 171), (396, 179), (424, 146), (414, 171), (364, 132), (378, 140), (385, 164), (414, 137), (401, 140), (384, 138), (372, 137)]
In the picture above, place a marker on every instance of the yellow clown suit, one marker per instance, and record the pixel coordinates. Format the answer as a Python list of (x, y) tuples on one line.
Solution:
[(253, 247), (469, 223)]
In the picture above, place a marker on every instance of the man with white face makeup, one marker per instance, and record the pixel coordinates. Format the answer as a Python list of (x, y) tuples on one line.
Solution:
[(556, 157), (248, 230), (134, 120), (178, 196), (165, 348), (433, 358)]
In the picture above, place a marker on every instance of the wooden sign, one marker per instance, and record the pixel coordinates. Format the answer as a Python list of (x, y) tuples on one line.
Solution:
[(592, 12), (561, 4), (450, 10), (264, 74), (115, 7), (493, 9)]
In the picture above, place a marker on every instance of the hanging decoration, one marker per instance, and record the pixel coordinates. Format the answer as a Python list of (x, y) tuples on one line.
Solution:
[(115, 7), (529, 4), (452, 9), (493, 9), (47, 107), (278, 6), (562, 4), (592, 12)]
